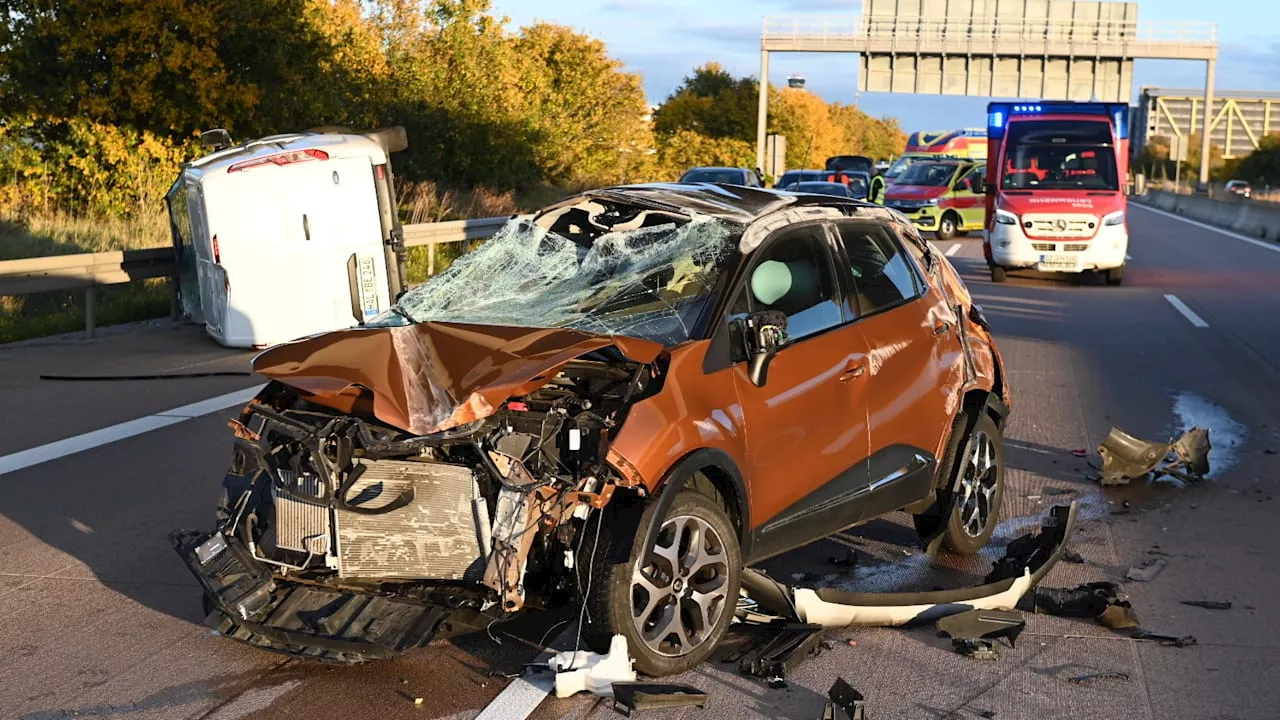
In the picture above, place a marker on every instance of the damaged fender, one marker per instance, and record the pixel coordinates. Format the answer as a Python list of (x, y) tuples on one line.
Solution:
[(835, 608)]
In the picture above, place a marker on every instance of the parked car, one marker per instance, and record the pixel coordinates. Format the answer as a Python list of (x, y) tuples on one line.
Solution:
[(660, 385), (790, 178), (726, 175), (838, 189), (1239, 187)]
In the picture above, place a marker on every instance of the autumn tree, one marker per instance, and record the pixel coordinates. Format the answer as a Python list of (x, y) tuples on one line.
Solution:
[(1262, 166), (713, 103)]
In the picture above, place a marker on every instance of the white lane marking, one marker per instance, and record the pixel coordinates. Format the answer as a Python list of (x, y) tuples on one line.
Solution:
[(951, 251), (524, 694), (1127, 256), (97, 438), (1273, 247), (1187, 312)]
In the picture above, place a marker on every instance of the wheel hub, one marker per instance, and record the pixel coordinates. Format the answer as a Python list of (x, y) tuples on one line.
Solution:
[(679, 587), (978, 478)]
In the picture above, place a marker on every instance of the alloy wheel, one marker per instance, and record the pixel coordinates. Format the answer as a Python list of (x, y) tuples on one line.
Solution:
[(679, 588), (978, 484)]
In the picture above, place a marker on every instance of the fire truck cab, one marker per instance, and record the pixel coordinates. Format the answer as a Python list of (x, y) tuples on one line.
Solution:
[(1055, 193)]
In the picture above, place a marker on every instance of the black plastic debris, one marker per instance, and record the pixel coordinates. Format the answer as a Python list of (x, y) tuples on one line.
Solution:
[(976, 649), (846, 703), (1209, 604), (1072, 556), (1090, 677), (849, 559), (632, 697), (1147, 571), (1163, 639), (984, 625), (780, 649), (1032, 550), (1101, 601)]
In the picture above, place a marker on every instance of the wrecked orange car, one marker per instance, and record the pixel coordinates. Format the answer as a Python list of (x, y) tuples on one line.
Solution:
[(616, 403)]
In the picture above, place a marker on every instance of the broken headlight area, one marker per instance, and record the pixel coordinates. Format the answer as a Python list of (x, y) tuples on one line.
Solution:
[(343, 539)]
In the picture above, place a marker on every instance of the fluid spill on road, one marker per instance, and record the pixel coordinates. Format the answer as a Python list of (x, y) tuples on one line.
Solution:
[(1225, 434)]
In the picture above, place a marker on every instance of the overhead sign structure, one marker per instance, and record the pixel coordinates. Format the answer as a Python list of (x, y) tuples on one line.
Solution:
[(1080, 50)]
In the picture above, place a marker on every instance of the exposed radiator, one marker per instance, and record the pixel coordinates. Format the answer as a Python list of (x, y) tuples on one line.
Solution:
[(433, 537), (299, 525)]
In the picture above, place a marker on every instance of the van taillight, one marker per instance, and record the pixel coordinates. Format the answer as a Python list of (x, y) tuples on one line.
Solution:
[(217, 254), (288, 158), (381, 171)]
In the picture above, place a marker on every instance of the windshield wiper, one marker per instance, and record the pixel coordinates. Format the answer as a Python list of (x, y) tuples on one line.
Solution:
[(396, 309)]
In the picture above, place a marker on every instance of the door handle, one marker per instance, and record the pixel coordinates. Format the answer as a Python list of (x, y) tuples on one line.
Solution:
[(851, 371), (941, 329)]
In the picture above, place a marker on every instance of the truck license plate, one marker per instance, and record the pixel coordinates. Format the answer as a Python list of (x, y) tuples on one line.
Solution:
[(1058, 261), (368, 287)]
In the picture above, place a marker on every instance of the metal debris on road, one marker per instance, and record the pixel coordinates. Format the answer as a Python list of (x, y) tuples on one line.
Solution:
[(845, 702), (632, 697), (1209, 604), (984, 625), (1108, 675), (976, 649), (1147, 571), (1125, 457)]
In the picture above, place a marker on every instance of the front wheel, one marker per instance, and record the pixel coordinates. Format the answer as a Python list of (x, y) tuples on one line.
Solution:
[(974, 471), (674, 598), (946, 227)]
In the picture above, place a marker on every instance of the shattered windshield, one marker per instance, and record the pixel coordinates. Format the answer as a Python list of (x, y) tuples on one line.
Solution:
[(578, 271)]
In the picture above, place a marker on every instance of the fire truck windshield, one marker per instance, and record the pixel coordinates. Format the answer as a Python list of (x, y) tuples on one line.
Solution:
[(1059, 155), (934, 174)]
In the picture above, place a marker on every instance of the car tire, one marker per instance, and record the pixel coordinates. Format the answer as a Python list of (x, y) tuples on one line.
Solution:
[(1115, 276), (969, 509), (998, 274), (657, 588), (947, 226)]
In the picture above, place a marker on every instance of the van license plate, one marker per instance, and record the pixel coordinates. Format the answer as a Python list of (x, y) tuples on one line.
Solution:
[(1058, 262), (368, 287)]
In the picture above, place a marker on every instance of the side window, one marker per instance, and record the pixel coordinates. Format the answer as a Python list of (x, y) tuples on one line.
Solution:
[(883, 275), (791, 274)]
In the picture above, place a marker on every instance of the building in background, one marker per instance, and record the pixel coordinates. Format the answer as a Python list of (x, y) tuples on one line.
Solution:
[(1239, 121)]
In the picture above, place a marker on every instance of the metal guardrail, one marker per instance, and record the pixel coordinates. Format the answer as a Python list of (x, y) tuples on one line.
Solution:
[(891, 27), (89, 271)]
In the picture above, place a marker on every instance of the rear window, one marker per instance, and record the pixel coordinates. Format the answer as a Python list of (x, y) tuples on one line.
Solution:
[(731, 177)]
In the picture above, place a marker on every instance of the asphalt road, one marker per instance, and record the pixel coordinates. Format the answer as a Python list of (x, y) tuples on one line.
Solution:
[(99, 619)]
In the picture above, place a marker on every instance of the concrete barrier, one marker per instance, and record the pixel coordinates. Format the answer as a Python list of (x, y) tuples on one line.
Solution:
[(1260, 220)]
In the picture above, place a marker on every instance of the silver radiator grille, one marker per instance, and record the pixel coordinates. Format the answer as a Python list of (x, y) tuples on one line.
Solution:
[(299, 525), (434, 536)]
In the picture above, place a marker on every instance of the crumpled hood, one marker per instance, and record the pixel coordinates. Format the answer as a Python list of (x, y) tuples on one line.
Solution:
[(1071, 201), (432, 376), (914, 192)]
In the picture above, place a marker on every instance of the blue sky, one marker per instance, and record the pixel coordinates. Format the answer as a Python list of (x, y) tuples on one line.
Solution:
[(665, 39)]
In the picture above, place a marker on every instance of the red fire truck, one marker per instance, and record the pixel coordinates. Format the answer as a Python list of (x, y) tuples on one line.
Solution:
[(1055, 188)]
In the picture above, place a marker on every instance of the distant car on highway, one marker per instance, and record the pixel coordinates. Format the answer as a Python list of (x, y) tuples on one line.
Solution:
[(791, 177), (1239, 187), (660, 386), (726, 175)]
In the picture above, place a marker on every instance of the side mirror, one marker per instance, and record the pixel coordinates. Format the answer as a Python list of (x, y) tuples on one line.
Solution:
[(1140, 184), (978, 186), (767, 332)]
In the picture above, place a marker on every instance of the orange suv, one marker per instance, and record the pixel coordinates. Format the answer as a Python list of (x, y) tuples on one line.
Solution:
[(616, 403)]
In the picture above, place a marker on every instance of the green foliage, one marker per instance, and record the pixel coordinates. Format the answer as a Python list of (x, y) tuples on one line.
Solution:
[(713, 103), (686, 148), (1262, 166)]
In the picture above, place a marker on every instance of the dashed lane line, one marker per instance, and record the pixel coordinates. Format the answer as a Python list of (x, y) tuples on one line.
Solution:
[(105, 436), (1187, 312), (951, 251)]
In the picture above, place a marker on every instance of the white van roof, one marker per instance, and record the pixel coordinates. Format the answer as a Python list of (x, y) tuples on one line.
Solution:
[(335, 145)]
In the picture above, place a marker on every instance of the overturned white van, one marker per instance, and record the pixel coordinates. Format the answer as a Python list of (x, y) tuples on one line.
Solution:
[(288, 235)]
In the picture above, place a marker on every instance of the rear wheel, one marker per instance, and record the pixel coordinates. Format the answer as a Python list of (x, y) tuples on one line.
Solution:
[(947, 226), (998, 274), (674, 598), (1115, 276)]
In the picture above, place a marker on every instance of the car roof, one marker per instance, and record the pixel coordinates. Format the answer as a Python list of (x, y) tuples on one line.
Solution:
[(715, 167), (738, 203)]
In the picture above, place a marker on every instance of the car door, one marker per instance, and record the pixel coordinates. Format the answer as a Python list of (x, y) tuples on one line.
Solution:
[(914, 362), (806, 429), (970, 203)]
